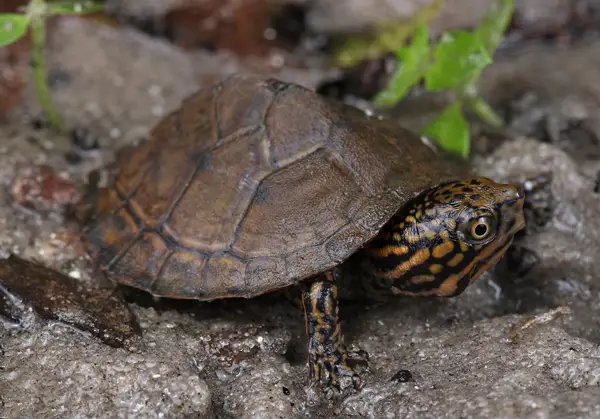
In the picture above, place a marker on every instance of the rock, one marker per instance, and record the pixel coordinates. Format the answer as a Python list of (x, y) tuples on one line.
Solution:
[(56, 373), (29, 288), (266, 390), (145, 96), (42, 189), (476, 372), (331, 16), (567, 272), (542, 16), (350, 16), (145, 8), (121, 105)]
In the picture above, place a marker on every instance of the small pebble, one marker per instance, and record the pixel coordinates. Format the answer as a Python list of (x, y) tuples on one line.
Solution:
[(402, 376), (84, 140)]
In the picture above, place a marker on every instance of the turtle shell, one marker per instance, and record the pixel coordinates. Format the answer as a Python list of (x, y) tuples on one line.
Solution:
[(252, 185)]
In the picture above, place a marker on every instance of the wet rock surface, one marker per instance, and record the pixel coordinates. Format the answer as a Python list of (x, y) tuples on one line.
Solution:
[(57, 372), (246, 359), (533, 16), (475, 372), (29, 289)]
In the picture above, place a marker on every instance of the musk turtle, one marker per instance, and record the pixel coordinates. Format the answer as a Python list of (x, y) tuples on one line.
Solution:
[(255, 185)]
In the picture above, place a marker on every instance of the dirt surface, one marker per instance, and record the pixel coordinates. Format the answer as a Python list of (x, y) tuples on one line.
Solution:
[(468, 357)]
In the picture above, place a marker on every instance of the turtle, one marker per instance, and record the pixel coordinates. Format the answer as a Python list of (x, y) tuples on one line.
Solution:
[(255, 185)]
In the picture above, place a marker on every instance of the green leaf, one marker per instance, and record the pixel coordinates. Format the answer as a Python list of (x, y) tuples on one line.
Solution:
[(74, 8), (412, 64), (12, 27), (450, 130), (491, 29), (459, 58)]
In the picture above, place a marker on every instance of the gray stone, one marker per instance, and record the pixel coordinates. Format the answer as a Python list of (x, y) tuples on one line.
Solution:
[(475, 372), (57, 372)]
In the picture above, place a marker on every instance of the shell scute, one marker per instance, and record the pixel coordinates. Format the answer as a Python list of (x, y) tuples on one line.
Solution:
[(182, 272), (310, 215), (217, 196), (140, 264)]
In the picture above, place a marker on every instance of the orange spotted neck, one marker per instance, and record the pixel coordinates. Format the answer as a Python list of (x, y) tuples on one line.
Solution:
[(446, 237)]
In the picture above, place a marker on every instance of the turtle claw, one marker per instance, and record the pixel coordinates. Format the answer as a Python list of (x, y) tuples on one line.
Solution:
[(335, 370)]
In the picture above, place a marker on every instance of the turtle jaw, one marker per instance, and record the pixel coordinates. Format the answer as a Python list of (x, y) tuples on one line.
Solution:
[(513, 222)]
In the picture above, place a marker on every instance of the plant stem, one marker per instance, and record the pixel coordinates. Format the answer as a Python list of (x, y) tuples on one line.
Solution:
[(485, 112), (38, 35)]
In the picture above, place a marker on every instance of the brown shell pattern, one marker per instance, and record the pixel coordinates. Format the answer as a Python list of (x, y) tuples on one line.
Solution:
[(250, 186)]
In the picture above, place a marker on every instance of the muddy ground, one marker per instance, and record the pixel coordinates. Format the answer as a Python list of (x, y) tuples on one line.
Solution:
[(246, 359)]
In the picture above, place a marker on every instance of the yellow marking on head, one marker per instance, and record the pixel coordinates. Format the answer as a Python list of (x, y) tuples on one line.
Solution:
[(418, 258), (448, 287), (456, 260), (443, 249), (414, 236), (419, 214), (428, 234), (410, 219), (391, 250), (436, 268), (411, 238), (464, 247), (492, 261), (401, 225), (420, 279)]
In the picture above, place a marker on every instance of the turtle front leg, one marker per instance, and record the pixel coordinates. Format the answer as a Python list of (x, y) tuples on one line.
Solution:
[(328, 358)]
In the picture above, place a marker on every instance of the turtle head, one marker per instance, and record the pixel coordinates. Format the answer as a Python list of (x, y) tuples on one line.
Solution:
[(446, 237)]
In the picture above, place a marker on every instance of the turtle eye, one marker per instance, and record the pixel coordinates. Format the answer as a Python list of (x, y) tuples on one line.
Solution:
[(479, 230)]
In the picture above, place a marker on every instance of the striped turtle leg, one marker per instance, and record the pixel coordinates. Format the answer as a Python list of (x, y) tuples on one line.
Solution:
[(328, 358)]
